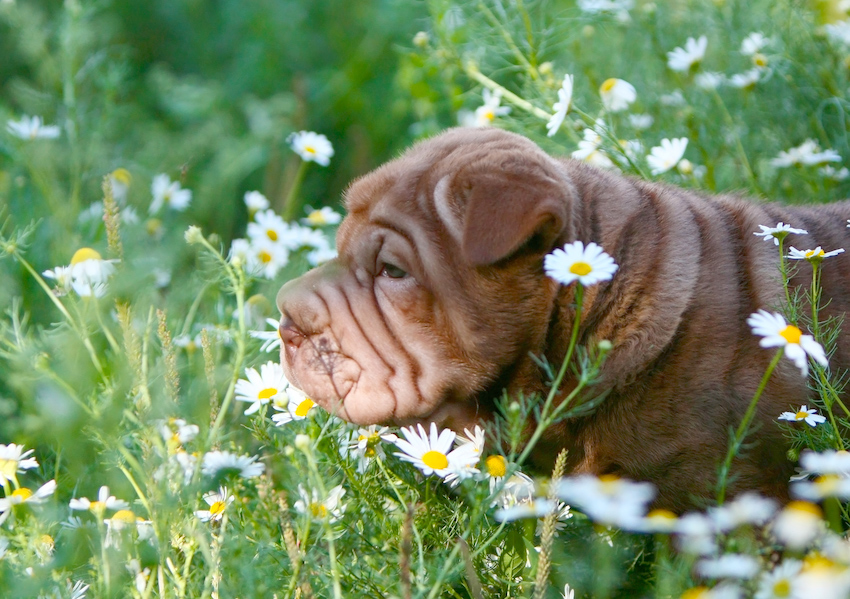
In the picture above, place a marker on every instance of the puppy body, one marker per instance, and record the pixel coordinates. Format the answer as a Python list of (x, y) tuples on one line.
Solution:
[(438, 302)]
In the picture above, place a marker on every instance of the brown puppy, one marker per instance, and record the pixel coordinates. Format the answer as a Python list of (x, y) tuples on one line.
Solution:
[(438, 302)]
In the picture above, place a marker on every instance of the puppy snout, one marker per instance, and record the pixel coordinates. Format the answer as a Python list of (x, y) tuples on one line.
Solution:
[(290, 334)]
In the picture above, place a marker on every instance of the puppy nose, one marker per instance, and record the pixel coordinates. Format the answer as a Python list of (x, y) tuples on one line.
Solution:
[(290, 334)]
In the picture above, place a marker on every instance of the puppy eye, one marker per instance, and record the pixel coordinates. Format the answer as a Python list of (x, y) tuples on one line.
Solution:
[(392, 271)]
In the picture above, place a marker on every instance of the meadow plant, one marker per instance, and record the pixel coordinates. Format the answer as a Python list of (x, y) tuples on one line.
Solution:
[(151, 446)]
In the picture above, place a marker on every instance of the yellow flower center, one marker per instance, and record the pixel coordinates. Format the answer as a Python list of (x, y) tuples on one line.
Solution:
[(83, 254), (489, 115), (661, 514), (791, 334), (46, 540), (264, 257), (435, 460), (696, 593), (23, 493), (782, 588), (271, 234), (316, 218), (608, 85), (304, 407), (805, 507), (124, 516), (217, 508), (318, 510), (97, 506), (496, 466), (760, 60), (827, 484), (122, 175), (310, 149), (581, 268), (267, 393)]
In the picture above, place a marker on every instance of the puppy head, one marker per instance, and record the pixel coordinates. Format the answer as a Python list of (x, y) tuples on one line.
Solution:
[(438, 291)]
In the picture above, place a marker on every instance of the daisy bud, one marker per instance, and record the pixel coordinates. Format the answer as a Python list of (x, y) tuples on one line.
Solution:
[(421, 39), (302, 442), (685, 166), (193, 234)]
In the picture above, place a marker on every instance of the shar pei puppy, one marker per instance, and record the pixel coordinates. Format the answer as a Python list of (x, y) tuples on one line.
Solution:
[(438, 302)]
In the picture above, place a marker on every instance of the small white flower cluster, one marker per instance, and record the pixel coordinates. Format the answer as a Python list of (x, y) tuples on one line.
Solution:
[(318, 509), (364, 444), (86, 275), (270, 386), (271, 240), (168, 193)]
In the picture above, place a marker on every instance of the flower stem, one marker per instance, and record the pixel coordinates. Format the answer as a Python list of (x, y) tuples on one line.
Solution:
[(291, 204), (738, 439)]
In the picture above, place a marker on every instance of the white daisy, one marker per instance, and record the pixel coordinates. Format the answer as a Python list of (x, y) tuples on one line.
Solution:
[(265, 257), (641, 121), (178, 431), (121, 521), (826, 462), (166, 192), (808, 415), (780, 231), (320, 256), (781, 582), (321, 217), (807, 153), (746, 509), (311, 504), (216, 462), (518, 488), (62, 276), (561, 107), (608, 499), (90, 272), (658, 520), (682, 59), (365, 444), (32, 128), (666, 156), (589, 150), (709, 80), (535, 508), (825, 485), (696, 534), (838, 32), (260, 388), (775, 332), (104, 502), (754, 43), (798, 524), (576, 262), (475, 438), (830, 172), (267, 226), (217, 502), (747, 78), (617, 95), (729, 565), (255, 201), (14, 460), (815, 256), (120, 180), (487, 112), (431, 452), (312, 147), (271, 339), (23, 495), (293, 404)]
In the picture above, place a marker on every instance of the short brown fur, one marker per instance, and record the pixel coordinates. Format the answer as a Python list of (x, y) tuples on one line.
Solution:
[(469, 216)]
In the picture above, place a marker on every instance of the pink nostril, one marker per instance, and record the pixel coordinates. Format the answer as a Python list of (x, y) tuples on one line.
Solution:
[(290, 334)]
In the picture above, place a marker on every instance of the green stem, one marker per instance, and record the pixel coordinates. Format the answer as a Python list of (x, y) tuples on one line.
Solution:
[(545, 417), (291, 204), (473, 73), (743, 427)]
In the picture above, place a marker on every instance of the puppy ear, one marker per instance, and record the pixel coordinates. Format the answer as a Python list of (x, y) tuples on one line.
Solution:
[(510, 199)]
